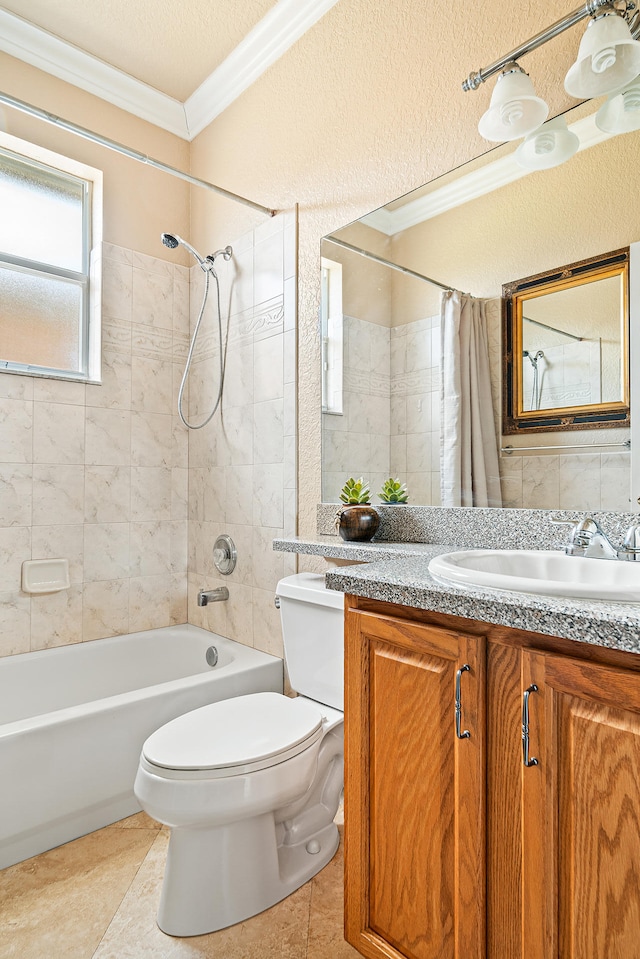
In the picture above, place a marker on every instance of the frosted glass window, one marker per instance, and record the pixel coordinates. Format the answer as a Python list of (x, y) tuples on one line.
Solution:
[(40, 320), (47, 326), (42, 214)]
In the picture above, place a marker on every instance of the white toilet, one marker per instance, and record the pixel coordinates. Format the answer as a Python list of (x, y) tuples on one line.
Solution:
[(250, 786)]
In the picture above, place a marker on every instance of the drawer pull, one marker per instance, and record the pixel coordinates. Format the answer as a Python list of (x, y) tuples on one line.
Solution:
[(525, 727), (458, 703)]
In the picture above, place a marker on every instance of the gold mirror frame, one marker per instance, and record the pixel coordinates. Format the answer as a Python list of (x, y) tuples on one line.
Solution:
[(514, 294)]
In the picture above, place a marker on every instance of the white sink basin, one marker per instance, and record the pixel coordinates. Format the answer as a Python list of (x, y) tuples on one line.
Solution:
[(546, 572)]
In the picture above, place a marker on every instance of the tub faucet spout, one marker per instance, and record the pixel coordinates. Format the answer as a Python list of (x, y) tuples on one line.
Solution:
[(206, 596)]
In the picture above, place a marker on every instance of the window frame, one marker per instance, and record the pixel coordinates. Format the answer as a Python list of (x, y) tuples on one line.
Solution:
[(88, 280)]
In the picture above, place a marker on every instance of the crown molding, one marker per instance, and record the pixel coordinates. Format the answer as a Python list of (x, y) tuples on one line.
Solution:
[(26, 42), (285, 23), (470, 186)]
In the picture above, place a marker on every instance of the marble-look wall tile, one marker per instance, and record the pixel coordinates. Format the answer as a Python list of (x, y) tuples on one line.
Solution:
[(15, 386), (16, 494), (58, 433), (153, 298), (15, 548), (151, 493), (105, 610), (151, 385), (117, 289), (107, 437), (52, 542), (15, 623), (114, 392), (151, 439), (56, 619), (149, 602), (16, 428), (58, 495), (106, 551), (107, 494), (267, 629), (150, 549), (97, 473)]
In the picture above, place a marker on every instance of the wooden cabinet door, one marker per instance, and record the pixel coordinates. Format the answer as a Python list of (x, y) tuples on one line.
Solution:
[(581, 811), (414, 791)]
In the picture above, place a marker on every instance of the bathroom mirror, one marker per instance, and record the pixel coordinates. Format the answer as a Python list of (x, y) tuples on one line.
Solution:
[(474, 229), (565, 347)]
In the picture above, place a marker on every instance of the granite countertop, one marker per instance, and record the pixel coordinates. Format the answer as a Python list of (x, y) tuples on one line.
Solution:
[(398, 573), (332, 547)]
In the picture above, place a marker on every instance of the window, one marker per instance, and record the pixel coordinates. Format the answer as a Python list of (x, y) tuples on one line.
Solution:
[(332, 336), (50, 219)]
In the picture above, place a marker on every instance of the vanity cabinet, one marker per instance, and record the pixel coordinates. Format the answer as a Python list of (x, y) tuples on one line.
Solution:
[(454, 848)]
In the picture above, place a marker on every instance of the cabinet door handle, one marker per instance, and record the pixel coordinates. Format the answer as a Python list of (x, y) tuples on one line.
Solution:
[(525, 727), (458, 703)]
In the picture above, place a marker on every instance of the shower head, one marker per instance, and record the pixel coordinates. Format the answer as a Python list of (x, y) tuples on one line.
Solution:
[(172, 240)]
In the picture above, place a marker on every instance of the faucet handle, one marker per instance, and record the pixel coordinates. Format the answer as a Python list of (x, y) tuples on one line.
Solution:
[(631, 545)]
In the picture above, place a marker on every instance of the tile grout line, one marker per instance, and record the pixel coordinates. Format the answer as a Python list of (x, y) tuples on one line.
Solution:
[(125, 893)]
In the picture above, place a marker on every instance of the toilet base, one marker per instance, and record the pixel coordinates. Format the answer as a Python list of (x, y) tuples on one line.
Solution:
[(220, 876)]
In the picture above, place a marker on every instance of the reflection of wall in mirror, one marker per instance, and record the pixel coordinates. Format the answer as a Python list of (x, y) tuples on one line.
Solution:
[(391, 420), (586, 337), (524, 228)]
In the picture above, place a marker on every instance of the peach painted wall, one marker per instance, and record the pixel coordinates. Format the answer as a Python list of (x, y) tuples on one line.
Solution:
[(365, 107)]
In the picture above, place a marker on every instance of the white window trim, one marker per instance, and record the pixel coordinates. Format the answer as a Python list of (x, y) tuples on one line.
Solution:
[(332, 333), (31, 151)]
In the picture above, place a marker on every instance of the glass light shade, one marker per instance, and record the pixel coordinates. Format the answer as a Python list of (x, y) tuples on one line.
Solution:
[(621, 112), (547, 147), (515, 110), (608, 58)]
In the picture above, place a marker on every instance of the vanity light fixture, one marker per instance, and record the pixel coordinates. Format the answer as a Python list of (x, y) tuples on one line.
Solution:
[(549, 146), (515, 110), (608, 59), (621, 112)]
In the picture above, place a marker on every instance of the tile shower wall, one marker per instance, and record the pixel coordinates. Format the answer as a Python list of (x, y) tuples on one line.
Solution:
[(357, 442), (242, 465), (99, 473), (415, 408)]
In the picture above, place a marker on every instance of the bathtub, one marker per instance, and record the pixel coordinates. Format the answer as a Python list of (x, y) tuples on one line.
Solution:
[(73, 720)]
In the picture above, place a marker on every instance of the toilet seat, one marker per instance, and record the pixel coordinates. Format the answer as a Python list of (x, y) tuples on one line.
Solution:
[(233, 737)]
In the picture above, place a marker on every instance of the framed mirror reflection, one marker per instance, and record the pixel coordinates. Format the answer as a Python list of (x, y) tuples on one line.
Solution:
[(565, 347), (475, 229)]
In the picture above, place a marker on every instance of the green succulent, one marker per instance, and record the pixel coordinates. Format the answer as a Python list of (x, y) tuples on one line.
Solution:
[(355, 492), (393, 491)]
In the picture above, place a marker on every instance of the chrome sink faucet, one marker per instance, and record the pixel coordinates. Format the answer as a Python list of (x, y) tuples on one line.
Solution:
[(588, 539)]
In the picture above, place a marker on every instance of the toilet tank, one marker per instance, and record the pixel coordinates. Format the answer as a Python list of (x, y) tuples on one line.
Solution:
[(312, 619)]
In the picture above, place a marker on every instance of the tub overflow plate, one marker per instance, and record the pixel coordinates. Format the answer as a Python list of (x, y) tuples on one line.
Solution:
[(212, 655)]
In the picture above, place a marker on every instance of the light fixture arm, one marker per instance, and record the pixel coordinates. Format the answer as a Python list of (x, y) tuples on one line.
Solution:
[(589, 9)]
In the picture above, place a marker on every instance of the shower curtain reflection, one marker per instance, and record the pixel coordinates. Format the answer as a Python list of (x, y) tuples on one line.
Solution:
[(469, 449)]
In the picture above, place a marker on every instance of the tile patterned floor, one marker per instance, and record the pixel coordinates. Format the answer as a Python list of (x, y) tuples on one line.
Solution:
[(96, 898)]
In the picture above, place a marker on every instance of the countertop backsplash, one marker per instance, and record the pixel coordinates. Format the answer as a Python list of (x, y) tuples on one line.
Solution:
[(469, 527)]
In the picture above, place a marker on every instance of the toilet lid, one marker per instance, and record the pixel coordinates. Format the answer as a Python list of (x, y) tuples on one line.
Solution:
[(244, 731)]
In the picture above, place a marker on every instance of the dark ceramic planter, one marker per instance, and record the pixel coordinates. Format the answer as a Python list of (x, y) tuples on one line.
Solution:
[(357, 523)]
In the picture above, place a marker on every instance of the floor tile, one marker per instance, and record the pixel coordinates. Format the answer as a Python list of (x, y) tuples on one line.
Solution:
[(60, 903)]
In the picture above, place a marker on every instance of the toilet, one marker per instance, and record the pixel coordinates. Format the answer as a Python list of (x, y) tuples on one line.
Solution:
[(250, 786)]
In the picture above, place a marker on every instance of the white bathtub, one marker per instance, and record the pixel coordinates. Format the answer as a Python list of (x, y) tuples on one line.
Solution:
[(73, 720)]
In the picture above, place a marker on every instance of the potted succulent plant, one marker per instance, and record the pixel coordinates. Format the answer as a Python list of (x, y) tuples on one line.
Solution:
[(356, 520), (393, 491)]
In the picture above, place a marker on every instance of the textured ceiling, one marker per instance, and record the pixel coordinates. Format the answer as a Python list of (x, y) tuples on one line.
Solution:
[(172, 46)]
